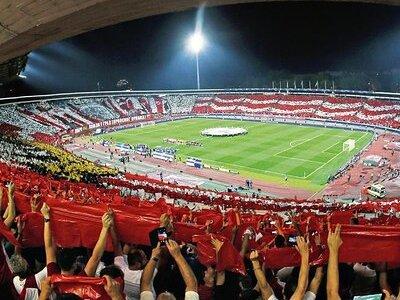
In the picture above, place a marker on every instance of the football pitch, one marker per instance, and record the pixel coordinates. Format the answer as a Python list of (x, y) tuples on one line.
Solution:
[(307, 156)]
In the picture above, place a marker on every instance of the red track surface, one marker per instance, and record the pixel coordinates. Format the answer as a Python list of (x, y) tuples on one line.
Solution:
[(342, 187)]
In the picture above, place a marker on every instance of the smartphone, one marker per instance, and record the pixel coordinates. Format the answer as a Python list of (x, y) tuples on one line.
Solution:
[(292, 240), (162, 235)]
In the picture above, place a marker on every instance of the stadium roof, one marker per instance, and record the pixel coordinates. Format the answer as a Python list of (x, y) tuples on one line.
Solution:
[(28, 24)]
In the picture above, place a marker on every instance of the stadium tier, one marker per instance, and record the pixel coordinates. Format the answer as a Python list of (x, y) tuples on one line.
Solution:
[(75, 114)]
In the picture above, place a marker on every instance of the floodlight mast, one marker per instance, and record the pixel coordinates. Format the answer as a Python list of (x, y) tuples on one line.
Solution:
[(195, 45)]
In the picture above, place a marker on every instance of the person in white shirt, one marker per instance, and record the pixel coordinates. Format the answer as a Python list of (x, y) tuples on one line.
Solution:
[(184, 268), (131, 264)]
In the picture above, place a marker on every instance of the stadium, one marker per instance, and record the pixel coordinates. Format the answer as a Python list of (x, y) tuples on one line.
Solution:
[(288, 190)]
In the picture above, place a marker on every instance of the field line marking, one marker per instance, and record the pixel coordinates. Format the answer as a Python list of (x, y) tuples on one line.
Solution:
[(306, 140), (147, 126), (250, 168), (333, 158), (284, 174), (323, 151), (341, 136), (301, 159)]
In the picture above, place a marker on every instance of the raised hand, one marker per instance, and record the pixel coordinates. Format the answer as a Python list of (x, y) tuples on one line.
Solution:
[(113, 288), (334, 240), (45, 210), (173, 248), (302, 246), (106, 219), (156, 252), (11, 189), (254, 255), (216, 243), (111, 215)]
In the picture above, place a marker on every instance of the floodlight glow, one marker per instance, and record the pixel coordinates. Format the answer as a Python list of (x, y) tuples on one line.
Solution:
[(196, 42)]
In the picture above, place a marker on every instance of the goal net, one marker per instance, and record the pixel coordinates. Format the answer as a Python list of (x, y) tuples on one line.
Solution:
[(349, 145)]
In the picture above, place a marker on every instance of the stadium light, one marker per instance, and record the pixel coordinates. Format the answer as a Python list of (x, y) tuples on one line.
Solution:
[(195, 44)]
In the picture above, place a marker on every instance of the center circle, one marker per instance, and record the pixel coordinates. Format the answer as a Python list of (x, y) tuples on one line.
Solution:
[(224, 131)]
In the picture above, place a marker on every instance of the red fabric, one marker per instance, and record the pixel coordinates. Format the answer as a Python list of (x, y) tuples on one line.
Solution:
[(84, 287), (370, 244), (22, 202), (360, 244), (83, 224), (32, 232), (8, 235), (228, 257), (341, 217), (284, 257)]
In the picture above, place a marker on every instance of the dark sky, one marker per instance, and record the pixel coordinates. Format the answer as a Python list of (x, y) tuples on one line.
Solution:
[(243, 42)]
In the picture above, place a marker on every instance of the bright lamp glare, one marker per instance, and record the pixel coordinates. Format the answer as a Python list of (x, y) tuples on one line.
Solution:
[(196, 42)]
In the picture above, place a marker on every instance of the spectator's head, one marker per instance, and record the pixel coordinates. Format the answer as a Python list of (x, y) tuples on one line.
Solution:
[(113, 271), (137, 260), (354, 221), (280, 241), (166, 296), (66, 259), (68, 296), (19, 265)]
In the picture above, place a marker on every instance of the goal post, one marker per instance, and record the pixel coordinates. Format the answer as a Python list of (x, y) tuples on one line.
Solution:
[(349, 145)]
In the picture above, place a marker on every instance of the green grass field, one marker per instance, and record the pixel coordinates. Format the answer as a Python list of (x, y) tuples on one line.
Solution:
[(307, 155)]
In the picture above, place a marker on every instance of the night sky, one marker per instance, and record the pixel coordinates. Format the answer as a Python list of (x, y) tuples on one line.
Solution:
[(245, 43)]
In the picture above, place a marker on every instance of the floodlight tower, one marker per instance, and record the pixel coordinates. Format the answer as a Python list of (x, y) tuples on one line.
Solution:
[(195, 44)]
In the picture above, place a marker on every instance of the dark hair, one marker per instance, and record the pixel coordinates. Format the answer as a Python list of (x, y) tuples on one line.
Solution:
[(354, 221), (68, 296), (135, 257), (280, 241), (66, 258), (113, 271)]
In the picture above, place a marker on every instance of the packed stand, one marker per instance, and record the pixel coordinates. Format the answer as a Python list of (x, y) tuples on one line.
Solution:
[(47, 159), (103, 241)]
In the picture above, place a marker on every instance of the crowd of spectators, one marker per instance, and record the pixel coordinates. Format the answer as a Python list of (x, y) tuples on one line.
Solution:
[(61, 116), (48, 159), (227, 261)]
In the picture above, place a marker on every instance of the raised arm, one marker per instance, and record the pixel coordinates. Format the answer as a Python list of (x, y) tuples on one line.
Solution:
[(49, 245), (10, 207), (302, 283), (148, 272), (265, 288), (184, 268), (316, 281), (332, 284), (245, 243), (91, 266), (114, 237), (220, 278)]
